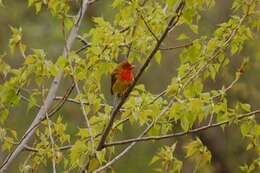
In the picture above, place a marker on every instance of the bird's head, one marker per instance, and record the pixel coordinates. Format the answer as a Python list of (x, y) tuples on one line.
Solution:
[(126, 65), (125, 70)]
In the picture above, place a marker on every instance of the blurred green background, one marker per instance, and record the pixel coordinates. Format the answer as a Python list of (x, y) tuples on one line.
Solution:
[(44, 32)]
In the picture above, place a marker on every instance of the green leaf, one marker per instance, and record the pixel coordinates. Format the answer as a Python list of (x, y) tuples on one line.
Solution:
[(158, 57), (83, 133), (170, 3), (4, 115), (68, 23), (198, 152), (1, 3), (54, 70), (62, 62), (194, 89), (182, 37), (38, 7), (245, 128), (30, 60), (14, 134), (154, 159), (31, 2), (16, 38), (78, 152), (32, 102), (172, 88), (117, 3), (185, 123), (234, 48), (245, 107)]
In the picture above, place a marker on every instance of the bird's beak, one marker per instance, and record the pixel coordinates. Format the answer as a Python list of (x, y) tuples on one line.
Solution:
[(132, 66)]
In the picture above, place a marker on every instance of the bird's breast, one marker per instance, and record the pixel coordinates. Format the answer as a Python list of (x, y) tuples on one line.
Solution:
[(126, 75)]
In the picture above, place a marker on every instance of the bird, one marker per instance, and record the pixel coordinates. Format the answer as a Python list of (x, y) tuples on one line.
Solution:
[(121, 78)]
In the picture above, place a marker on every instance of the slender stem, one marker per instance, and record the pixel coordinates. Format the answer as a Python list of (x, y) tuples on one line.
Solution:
[(177, 47), (71, 100), (52, 144), (29, 101), (147, 25), (83, 109)]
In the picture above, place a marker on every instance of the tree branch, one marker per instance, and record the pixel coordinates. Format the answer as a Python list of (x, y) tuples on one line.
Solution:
[(174, 20), (51, 94), (52, 144), (156, 138), (83, 107), (177, 47), (75, 101), (139, 137), (147, 25), (62, 102)]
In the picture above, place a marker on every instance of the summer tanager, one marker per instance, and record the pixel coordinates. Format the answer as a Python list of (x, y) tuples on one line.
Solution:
[(121, 78)]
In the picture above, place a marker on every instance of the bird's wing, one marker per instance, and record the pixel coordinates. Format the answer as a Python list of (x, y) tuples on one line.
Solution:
[(113, 80)]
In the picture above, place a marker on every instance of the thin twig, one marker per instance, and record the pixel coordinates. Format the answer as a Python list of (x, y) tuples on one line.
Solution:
[(88, 45), (82, 40), (158, 96), (62, 102), (29, 101), (147, 25), (177, 47), (32, 149), (76, 101), (52, 144), (82, 48), (83, 109)]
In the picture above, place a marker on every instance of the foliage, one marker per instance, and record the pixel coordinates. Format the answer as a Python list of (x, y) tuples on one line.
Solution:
[(185, 107)]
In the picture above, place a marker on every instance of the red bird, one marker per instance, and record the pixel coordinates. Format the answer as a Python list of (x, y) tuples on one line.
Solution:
[(121, 78)]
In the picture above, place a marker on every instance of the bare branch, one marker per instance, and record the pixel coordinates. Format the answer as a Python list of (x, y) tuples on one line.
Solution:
[(192, 131), (83, 107), (177, 47), (28, 100), (32, 149), (52, 144), (71, 100), (62, 102), (174, 20), (82, 40), (158, 96), (51, 94), (82, 48)]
